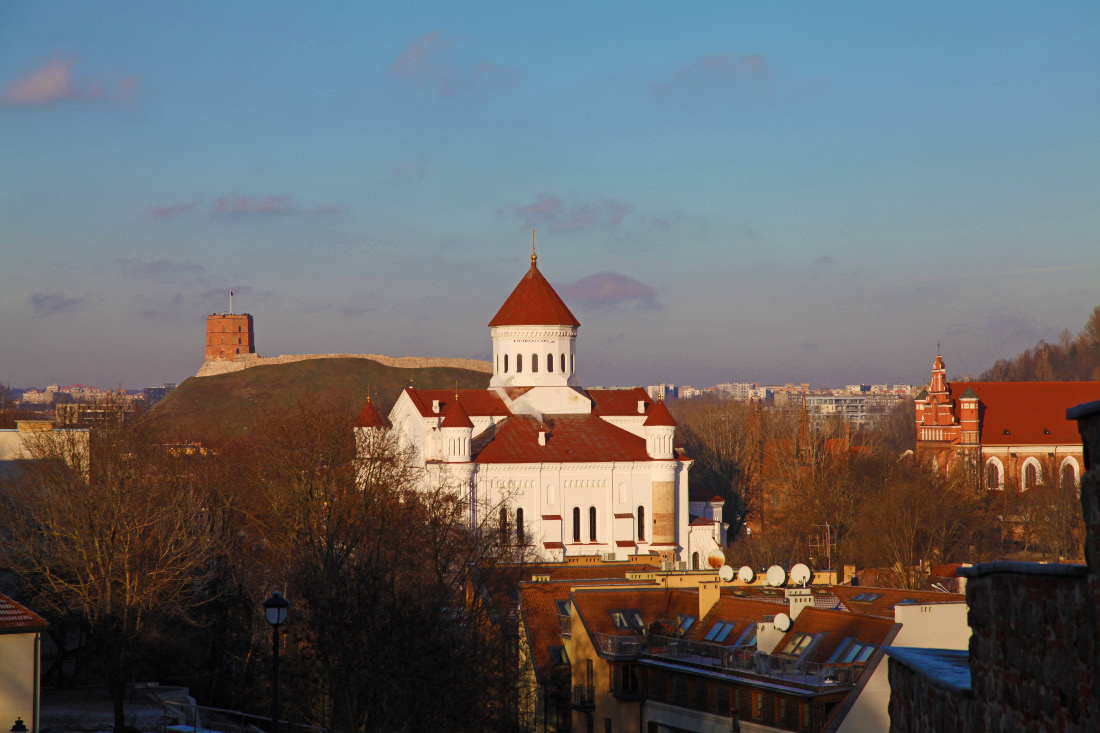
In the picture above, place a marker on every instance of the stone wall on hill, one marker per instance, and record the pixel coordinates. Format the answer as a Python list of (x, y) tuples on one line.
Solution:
[(245, 361)]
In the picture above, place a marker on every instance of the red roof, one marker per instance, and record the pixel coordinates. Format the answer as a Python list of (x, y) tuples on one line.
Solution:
[(619, 402), (572, 439), (534, 303), (840, 626), (884, 599), (14, 617), (456, 417), (654, 604), (480, 402), (1026, 409), (659, 416), (369, 418)]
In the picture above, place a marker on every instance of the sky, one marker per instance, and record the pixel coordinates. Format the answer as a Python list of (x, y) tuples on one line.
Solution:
[(722, 191)]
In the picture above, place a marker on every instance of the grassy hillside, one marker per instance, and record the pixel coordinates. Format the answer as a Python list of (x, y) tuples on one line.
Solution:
[(208, 407)]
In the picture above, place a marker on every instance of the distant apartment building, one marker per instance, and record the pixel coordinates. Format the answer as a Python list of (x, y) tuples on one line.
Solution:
[(741, 391), (662, 391)]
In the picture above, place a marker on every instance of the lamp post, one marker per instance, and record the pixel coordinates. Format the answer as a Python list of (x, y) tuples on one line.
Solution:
[(275, 608)]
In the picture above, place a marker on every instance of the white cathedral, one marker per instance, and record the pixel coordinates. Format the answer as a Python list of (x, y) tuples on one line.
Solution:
[(565, 470)]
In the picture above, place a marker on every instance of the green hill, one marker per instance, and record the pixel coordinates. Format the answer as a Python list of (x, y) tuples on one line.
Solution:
[(203, 408)]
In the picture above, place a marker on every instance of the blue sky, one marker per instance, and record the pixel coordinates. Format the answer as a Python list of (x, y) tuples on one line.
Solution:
[(760, 192)]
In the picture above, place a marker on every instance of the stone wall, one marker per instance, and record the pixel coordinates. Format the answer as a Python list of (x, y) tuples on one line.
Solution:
[(244, 361), (1035, 649)]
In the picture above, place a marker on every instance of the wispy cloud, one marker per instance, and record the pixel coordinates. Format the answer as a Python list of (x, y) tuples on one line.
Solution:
[(168, 211), (48, 304), (430, 65), (235, 205), (610, 290), (714, 74), (55, 82), (558, 216), (159, 270)]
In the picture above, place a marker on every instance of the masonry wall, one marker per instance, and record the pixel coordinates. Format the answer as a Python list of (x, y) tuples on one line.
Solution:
[(917, 706), (218, 366)]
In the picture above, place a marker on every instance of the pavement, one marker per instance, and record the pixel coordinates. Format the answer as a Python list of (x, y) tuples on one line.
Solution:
[(89, 710)]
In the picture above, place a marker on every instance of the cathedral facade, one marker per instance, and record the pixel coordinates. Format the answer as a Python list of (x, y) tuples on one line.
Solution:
[(564, 470)]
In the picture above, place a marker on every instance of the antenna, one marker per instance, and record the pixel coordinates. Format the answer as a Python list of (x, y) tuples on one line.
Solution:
[(230, 302)]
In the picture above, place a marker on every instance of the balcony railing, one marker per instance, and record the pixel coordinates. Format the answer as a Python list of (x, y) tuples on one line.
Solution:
[(620, 646), (584, 697), (565, 624)]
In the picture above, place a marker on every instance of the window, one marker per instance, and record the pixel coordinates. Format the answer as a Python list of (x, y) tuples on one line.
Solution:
[(576, 524), (992, 475), (563, 363), (503, 526), (748, 636), (549, 362), (719, 632), (559, 655), (628, 619), (519, 527), (867, 597), (534, 362), (683, 623), (573, 366), (1069, 476), (592, 524), (505, 363), (695, 561), (563, 606), (797, 644), (850, 651), (641, 524), (1031, 476), (519, 363)]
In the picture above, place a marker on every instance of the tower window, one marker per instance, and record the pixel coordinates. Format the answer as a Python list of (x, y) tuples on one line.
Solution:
[(592, 523), (503, 526), (641, 524), (573, 366), (505, 363), (549, 362), (519, 527), (563, 363), (534, 362), (576, 524), (519, 363)]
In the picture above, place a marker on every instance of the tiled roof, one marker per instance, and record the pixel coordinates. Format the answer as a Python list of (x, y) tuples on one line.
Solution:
[(883, 606), (14, 617), (702, 522), (540, 619), (455, 416), (619, 402), (476, 402), (572, 439), (369, 418), (774, 596), (1026, 409), (534, 303), (839, 626), (595, 606), (659, 416), (732, 610)]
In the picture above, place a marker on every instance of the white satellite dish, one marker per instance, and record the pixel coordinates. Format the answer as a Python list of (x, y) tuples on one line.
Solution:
[(725, 573), (776, 576), (801, 574), (782, 621), (746, 574)]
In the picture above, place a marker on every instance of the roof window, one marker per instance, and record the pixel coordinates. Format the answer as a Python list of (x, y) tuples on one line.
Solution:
[(852, 651), (797, 644), (628, 619), (748, 636), (719, 632), (559, 655), (867, 597), (563, 606), (684, 622)]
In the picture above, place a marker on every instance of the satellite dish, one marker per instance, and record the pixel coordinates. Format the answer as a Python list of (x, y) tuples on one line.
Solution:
[(801, 574), (725, 573), (746, 574), (782, 621), (776, 576), (716, 558)]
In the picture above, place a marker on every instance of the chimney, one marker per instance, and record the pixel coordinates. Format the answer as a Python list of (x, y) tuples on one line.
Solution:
[(709, 593), (799, 599), (641, 407), (542, 435), (435, 406), (849, 573)]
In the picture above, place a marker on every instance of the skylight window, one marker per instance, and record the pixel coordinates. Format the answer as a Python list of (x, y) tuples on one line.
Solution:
[(748, 636), (852, 651), (559, 655), (719, 632), (628, 619), (684, 622), (563, 606), (797, 644), (867, 597)]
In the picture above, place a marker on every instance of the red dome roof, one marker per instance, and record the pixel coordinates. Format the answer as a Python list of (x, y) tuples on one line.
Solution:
[(534, 303), (369, 418), (659, 416), (456, 417)]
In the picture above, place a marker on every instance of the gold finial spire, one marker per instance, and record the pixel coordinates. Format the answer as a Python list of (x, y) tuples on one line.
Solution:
[(534, 257), (456, 390), (368, 392)]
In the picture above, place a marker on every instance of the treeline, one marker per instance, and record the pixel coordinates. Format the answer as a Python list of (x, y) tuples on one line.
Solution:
[(153, 556), (1074, 358), (799, 489)]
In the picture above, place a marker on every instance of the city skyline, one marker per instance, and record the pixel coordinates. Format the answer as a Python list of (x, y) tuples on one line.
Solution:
[(721, 193)]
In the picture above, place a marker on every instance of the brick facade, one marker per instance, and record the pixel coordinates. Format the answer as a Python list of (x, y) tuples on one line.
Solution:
[(228, 336)]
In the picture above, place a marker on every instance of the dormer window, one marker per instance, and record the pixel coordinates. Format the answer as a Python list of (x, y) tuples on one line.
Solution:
[(563, 606), (867, 597), (798, 644), (628, 619), (719, 632)]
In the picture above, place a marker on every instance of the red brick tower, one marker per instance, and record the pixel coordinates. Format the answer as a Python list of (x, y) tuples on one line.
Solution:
[(229, 334)]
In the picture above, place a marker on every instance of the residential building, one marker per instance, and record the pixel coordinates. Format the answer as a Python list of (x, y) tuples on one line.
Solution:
[(20, 646)]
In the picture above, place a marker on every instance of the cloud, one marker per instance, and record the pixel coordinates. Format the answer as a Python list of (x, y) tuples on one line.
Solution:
[(168, 211), (158, 270), (715, 74), (54, 82), (610, 290), (824, 260), (235, 205), (429, 65), (48, 304), (552, 212)]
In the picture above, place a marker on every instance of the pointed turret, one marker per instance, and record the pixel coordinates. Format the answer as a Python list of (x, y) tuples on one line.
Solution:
[(660, 431), (369, 417), (457, 431)]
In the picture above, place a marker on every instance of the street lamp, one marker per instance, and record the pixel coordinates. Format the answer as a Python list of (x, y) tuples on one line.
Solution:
[(19, 727), (275, 608)]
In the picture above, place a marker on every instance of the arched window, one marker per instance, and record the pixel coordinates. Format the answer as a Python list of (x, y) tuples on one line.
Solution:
[(519, 363), (641, 524), (505, 363), (994, 474), (563, 363), (576, 524), (519, 527), (549, 362), (592, 523), (503, 525), (239, 329), (1069, 476), (695, 561), (1031, 473), (573, 365), (534, 362)]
